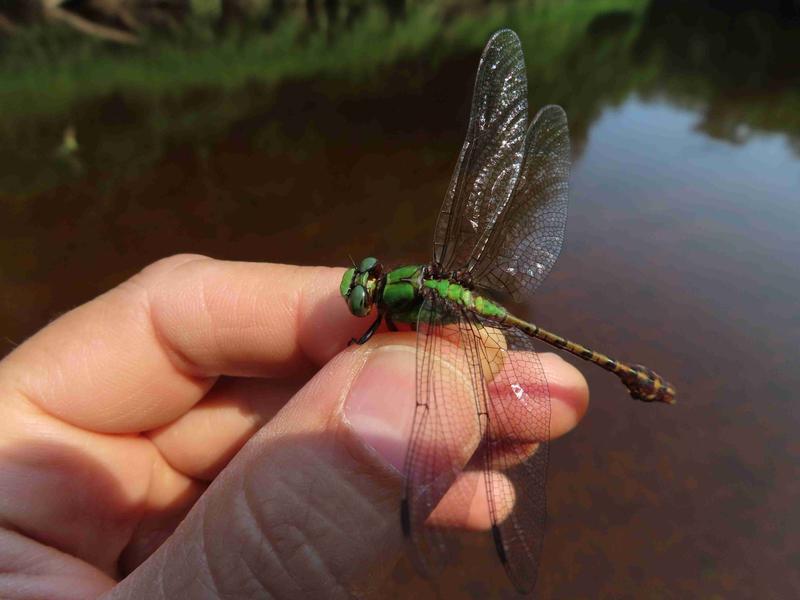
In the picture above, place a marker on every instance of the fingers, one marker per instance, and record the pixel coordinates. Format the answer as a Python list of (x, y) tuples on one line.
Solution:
[(85, 494), (29, 567), (114, 365), (307, 508), (568, 391), (140, 355), (311, 503), (529, 386), (466, 504), (203, 440)]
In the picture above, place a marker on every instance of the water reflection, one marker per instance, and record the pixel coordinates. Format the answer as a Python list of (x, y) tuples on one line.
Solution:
[(701, 232), (682, 252), (734, 61)]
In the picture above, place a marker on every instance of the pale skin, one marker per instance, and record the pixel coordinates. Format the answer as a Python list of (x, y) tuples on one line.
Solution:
[(199, 431)]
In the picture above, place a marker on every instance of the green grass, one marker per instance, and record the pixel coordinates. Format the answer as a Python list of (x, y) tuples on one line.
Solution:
[(191, 87), (48, 70)]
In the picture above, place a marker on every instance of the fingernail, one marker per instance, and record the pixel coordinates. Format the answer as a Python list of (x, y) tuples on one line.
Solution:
[(380, 406)]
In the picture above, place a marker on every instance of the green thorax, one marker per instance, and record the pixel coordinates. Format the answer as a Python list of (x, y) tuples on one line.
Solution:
[(401, 296)]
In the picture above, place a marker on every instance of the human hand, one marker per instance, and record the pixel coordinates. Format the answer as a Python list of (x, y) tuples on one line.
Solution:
[(199, 432)]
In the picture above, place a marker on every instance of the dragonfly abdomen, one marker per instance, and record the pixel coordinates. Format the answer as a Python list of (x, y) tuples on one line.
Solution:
[(642, 383), (455, 292)]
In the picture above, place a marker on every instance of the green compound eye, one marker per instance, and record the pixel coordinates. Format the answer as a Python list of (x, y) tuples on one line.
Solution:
[(347, 281), (367, 264), (358, 301)]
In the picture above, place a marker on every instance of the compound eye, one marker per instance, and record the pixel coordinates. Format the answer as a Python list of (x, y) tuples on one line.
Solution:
[(347, 281), (358, 301), (367, 264)]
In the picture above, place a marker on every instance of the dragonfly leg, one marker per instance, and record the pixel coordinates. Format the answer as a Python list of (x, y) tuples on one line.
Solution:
[(368, 333), (390, 324)]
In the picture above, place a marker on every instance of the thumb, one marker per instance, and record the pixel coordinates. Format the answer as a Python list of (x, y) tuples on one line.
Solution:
[(309, 507)]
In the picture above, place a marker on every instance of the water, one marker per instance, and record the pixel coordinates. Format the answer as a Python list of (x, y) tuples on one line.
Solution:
[(682, 253)]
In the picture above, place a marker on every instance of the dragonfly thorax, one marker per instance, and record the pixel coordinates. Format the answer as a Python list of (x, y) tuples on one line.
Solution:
[(396, 293), (399, 293)]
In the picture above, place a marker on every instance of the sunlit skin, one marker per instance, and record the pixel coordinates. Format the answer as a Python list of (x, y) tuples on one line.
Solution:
[(217, 394)]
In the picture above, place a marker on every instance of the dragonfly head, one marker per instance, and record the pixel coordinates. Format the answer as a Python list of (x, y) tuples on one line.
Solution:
[(360, 284)]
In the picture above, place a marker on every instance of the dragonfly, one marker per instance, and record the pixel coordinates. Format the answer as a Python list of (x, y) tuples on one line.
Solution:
[(481, 423)]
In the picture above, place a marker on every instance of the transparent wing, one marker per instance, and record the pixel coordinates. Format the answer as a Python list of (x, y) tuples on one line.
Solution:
[(518, 252), (483, 404), (490, 158), (446, 430), (515, 455)]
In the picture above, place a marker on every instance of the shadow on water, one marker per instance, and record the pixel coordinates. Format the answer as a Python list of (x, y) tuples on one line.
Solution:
[(682, 248)]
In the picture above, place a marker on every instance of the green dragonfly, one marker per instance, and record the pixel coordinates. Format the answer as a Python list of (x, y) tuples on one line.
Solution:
[(482, 418)]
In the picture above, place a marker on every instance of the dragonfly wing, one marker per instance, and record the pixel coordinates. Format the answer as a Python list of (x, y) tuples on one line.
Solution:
[(445, 432), (490, 158), (519, 251), (515, 454), (482, 403)]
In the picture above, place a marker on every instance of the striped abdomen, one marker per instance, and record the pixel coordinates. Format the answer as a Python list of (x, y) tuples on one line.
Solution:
[(642, 383)]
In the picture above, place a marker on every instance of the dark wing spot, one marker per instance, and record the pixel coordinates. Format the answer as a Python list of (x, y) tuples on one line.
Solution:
[(498, 544)]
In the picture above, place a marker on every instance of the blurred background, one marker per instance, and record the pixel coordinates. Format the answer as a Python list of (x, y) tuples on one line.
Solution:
[(305, 132)]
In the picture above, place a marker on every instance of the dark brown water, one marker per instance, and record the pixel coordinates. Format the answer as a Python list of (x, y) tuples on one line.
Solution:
[(682, 253)]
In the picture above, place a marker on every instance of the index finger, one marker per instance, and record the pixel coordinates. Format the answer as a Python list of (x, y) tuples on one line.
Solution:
[(143, 353)]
